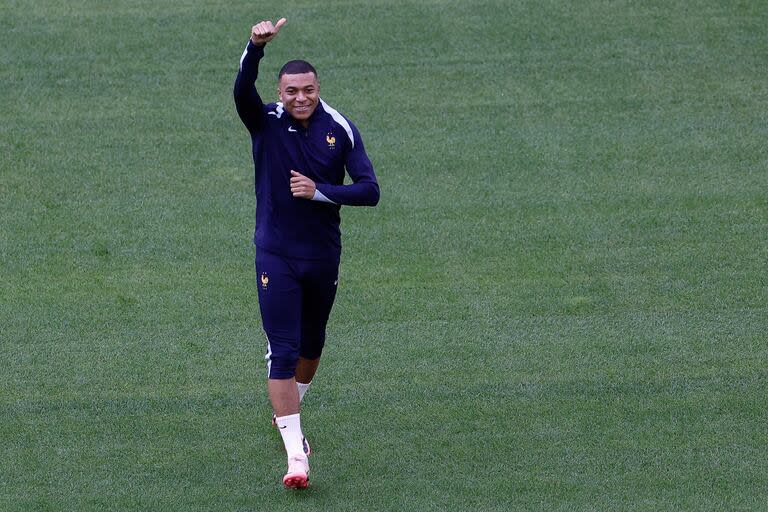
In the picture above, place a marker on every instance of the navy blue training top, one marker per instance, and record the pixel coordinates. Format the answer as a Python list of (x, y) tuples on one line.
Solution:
[(286, 225)]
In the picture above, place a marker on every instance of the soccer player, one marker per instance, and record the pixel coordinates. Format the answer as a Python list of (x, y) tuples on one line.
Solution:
[(301, 150)]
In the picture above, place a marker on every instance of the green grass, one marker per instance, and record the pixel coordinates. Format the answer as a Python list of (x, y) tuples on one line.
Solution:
[(559, 304)]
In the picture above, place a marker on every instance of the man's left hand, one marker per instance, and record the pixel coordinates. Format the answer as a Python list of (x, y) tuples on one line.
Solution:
[(301, 186)]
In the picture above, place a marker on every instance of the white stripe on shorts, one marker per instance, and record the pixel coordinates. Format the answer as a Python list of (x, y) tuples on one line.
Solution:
[(268, 357)]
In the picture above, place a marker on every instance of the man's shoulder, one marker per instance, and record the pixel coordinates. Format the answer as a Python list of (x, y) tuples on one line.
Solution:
[(275, 110), (340, 120)]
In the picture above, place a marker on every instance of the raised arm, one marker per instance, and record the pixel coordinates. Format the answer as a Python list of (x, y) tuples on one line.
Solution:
[(249, 105)]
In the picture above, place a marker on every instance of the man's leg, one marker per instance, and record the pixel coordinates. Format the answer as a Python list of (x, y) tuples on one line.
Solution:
[(284, 396), (319, 281), (305, 371), (285, 402), (280, 306)]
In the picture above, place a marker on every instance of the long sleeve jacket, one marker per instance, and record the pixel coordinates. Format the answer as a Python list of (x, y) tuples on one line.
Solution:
[(324, 151)]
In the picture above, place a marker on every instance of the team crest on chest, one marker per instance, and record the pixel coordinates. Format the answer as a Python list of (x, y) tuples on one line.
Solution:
[(264, 280), (331, 140)]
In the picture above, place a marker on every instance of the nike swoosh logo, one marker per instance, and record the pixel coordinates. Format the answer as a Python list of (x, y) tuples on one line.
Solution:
[(284, 426), (291, 129)]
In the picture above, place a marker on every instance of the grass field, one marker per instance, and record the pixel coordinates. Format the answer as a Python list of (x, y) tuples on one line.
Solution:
[(561, 302)]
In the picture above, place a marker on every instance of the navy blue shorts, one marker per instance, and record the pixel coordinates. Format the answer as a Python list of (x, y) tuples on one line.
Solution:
[(295, 300)]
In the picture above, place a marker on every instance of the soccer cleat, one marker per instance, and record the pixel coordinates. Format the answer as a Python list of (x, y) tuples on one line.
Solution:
[(297, 476)]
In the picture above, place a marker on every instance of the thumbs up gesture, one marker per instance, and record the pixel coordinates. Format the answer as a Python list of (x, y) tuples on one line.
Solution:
[(264, 32)]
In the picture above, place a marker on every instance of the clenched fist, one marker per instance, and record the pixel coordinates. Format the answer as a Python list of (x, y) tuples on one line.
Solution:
[(301, 186)]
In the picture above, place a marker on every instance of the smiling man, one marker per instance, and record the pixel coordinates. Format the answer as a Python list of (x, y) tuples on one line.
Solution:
[(302, 149)]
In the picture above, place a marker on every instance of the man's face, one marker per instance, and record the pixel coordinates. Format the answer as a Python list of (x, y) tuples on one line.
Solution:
[(299, 94)]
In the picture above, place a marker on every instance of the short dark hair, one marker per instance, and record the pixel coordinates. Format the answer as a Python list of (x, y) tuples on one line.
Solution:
[(296, 67)]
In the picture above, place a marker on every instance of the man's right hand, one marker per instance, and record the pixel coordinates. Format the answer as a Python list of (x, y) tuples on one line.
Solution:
[(264, 32)]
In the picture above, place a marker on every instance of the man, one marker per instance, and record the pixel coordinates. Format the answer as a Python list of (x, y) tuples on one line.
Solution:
[(301, 149)]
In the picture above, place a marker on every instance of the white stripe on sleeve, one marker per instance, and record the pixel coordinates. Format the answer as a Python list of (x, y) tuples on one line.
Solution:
[(339, 119), (242, 57), (319, 196)]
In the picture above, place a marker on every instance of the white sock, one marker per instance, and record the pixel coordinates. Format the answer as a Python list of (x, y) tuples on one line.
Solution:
[(302, 389), (290, 430)]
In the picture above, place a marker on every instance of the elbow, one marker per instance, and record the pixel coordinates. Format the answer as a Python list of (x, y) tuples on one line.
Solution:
[(237, 89), (240, 90), (236, 94), (375, 195)]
